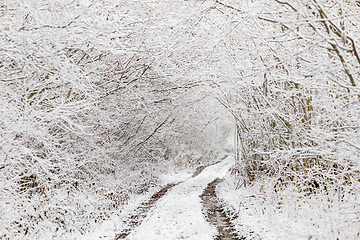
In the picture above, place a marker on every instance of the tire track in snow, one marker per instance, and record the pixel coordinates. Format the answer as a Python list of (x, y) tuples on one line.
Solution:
[(177, 213), (216, 215), (135, 220)]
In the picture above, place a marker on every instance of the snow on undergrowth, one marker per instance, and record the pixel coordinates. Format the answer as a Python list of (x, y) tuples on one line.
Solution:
[(266, 213)]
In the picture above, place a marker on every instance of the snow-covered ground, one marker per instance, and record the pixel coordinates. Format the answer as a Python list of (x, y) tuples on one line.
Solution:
[(255, 218), (265, 214), (177, 215)]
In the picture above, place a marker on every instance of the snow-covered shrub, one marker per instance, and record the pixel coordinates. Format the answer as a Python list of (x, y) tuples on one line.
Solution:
[(295, 99), (95, 101), (59, 166)]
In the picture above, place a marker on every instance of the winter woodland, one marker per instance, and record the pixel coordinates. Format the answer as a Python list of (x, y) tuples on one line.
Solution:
[(99, 98)]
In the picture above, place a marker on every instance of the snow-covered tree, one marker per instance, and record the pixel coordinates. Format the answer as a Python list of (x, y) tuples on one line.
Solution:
[(295, 98), (95, 99)]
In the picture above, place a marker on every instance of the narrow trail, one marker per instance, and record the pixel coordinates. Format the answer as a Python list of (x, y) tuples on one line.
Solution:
[(186, 210)]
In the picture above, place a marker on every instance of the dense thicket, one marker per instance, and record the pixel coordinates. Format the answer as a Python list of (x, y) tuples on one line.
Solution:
[(98, 97), (92, 110), (295, 98)]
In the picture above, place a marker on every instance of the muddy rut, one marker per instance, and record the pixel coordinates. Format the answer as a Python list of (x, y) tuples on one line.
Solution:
[(136, 219), (216, 215)]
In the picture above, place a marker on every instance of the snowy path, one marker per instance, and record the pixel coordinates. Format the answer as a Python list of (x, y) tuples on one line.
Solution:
[(178, 214)]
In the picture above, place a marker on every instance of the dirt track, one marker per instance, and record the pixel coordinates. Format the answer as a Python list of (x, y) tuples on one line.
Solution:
[(215, 213), (213, 210)]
